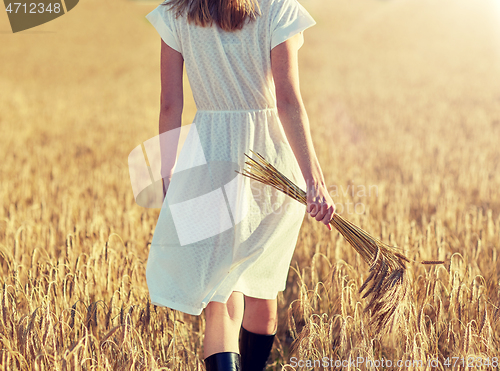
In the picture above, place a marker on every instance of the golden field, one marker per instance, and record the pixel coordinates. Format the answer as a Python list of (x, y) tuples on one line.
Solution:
[(403, 97)]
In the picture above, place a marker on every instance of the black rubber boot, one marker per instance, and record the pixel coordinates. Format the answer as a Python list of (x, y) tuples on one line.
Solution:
[(255, 350), (225, 361)]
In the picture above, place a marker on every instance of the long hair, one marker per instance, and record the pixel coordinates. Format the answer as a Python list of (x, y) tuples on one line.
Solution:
[(227, 14)]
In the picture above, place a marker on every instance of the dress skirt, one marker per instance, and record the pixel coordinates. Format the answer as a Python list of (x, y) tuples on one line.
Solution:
[(219, 231)]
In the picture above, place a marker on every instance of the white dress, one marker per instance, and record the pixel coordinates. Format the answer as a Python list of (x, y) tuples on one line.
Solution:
[(218, 231)]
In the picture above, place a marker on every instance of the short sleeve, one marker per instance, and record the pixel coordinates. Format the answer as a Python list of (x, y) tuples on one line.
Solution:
[(163, 21), (291, 19)]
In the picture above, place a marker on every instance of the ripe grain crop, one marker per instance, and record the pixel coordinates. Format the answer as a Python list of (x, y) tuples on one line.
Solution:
[(387, 265), (403, 99)]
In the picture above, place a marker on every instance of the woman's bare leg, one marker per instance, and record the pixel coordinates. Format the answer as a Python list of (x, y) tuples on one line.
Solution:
[(222, 325), (260, 316)]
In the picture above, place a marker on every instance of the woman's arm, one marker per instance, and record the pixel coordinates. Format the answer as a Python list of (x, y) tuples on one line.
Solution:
[(171, 104), (293, 116)]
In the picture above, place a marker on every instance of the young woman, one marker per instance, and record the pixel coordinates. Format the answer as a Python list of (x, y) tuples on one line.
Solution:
[(223, 243)]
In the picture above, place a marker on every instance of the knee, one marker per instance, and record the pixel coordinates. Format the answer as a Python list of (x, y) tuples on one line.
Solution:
[(261, 316), (232, 311)]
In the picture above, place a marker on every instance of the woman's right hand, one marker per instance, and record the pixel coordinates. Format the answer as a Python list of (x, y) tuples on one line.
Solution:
[(319, 203)]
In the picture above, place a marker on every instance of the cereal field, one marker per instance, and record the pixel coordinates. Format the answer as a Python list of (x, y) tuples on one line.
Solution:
[(403, 97)]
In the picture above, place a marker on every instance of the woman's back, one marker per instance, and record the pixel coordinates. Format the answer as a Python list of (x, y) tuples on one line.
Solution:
[(231, 71), (217, 232), (219, 236)]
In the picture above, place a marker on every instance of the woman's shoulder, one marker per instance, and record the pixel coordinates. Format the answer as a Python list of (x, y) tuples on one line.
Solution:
[(277, 7)]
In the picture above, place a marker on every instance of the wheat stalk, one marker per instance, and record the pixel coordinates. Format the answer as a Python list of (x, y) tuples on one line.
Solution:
[(386, 284)]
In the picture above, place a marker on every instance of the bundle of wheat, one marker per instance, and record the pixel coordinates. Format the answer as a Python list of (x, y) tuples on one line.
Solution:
[(388, 286)]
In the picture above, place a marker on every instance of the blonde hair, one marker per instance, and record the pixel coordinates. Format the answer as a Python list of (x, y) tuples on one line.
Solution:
[(229, 15)]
